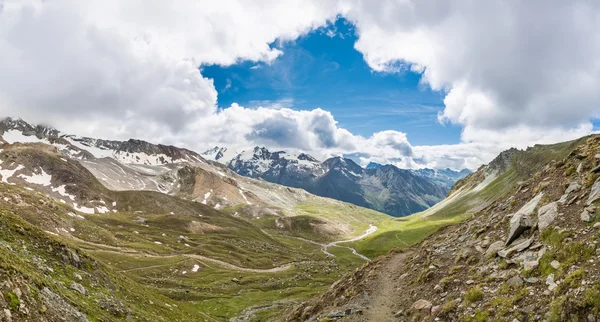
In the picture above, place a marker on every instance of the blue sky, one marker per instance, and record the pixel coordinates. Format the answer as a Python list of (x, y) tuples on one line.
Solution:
[(322, 69)]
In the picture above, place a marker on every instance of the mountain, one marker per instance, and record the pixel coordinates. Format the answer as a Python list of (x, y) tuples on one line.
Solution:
[(388, 189), (446, 177), (524, 248)]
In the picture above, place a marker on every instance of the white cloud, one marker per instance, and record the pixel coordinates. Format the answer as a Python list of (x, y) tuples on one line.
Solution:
[(505, 65), (514, 73)]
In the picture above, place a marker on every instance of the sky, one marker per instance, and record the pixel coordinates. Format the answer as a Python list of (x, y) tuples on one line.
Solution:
[(322, 69), (411, 83)]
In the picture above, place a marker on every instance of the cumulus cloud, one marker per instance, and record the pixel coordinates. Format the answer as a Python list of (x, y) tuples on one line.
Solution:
[(514, 73), (506, 66)]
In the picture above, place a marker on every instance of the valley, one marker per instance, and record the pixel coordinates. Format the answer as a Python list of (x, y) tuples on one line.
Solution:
[(205, 242)]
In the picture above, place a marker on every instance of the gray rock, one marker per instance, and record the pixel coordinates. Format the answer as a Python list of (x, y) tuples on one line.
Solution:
[(64, 309), (530, 265), (531, 280), (494, 248), (77, 276), (580, 167), (546, 215), (7, 315), (596, 169), (523, 219), (555, 264), (596, 225), (594, 193), (585, 216), (421, 305), (550, 282), (334, 315), (515, 281), (518, 247), (573, 186), (399, 313), (79, 288)]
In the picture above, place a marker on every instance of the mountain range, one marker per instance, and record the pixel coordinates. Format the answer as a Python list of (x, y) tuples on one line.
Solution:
[(386, 188), (96, 230)]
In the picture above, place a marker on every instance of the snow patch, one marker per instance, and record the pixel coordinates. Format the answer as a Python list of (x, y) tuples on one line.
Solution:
[(42, 178), (9, 173), (84, 209), (61, 191), (13, 136)]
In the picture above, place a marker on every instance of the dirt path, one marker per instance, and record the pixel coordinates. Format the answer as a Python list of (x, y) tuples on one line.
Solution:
[(382, 305), (378, 294)]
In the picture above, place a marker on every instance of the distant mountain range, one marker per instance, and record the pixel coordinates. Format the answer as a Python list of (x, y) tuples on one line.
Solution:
[(386, 188)]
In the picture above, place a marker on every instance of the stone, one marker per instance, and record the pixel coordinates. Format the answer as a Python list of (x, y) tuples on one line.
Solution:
[(523, 220), (399, 313), (550, 282), (515, 281), (79, 288), (594, 193), (585, 216), (437, 288), (573, 186), (518, 247), (335, 315), (530, 265), (596, 169), (421, 305), (435, 310), (494, 248), (531, 280), (77, 276), (546, 215), (555, 264), (580, 167), (469, 282), (7, 315), (596, 225)]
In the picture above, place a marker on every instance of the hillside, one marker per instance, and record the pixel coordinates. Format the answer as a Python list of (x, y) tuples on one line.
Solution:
[(526, 250), (186, 232), (387, 189)]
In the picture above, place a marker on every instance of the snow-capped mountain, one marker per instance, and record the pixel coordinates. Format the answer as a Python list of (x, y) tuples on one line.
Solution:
[(388, 189), (446, 176)]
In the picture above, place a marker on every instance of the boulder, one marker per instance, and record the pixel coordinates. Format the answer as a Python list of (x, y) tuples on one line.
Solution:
[(421, 306), (523, 220), (494, 248), (573, 186), (555, 264), (515, 281), (594, 193), (546, 215), (518, 247), (530, 265), (585, 216)]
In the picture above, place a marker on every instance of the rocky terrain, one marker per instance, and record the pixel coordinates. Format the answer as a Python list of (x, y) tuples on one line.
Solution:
[(529, 253), (385, 188)]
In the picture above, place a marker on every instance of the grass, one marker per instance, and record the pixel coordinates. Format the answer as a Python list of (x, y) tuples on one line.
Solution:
[(473, 294)]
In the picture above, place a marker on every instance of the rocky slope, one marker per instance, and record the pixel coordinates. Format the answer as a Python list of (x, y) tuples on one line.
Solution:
[(527, 251), (388, 189)]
